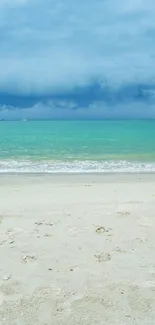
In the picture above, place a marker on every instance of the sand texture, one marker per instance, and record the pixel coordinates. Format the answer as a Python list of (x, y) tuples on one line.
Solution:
[(77, 249)]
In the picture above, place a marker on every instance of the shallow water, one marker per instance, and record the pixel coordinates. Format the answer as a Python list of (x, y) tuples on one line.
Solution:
[(66, 146)]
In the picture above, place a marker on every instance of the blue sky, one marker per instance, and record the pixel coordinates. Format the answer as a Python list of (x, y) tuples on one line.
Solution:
[(77, 59)]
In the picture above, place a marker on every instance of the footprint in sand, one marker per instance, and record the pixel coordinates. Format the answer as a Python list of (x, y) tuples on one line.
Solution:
[(124, 213), (101, 230), (46, 223), (47, 235), (39, 223), (103, 257), (2, 242), (28, 258), (6, 277), (141, 240), (120, 250), (11, 242)]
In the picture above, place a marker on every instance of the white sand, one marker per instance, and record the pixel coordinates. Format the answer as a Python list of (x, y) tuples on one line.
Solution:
[(77, 249)]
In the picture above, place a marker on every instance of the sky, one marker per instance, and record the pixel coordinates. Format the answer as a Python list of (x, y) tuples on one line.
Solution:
[(85, 59)]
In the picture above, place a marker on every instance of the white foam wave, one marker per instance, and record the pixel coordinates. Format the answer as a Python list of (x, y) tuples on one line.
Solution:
[(14, 166)]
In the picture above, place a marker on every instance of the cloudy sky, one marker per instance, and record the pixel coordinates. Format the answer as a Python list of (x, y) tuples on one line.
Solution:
[(77, 59)]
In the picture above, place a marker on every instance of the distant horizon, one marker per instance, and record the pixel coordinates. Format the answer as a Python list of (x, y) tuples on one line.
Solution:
[(79, 120)]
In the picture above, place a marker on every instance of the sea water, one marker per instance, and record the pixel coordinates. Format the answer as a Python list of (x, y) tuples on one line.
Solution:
[(77, 146)]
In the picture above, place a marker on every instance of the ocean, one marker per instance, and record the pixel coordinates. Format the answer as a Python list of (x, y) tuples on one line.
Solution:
[(77, 146)]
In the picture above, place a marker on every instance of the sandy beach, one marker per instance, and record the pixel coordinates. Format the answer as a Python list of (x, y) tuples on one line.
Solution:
[(77, 249)]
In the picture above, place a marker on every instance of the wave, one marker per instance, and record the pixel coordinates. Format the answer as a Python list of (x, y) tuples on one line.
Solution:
[(20, 166)]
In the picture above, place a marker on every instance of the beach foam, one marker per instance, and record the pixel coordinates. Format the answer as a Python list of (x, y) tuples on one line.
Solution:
[(23, 166)]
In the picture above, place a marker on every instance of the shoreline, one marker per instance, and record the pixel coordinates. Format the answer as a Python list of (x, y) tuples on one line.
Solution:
[(62, 167), (83, 177)]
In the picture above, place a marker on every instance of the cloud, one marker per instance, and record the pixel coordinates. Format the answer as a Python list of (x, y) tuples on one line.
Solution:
[(64, 50), (85, 94), (94, 101), (63, 109)]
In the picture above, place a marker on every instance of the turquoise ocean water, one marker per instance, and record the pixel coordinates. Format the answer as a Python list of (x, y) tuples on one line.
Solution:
[(77, 146)]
